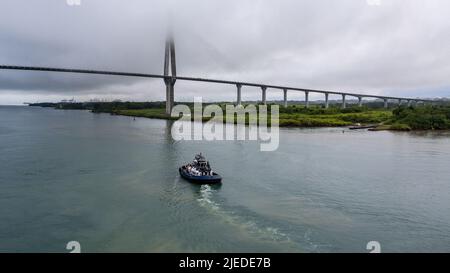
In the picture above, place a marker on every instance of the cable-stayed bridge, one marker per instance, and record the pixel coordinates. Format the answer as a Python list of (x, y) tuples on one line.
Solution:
[(170, 77)]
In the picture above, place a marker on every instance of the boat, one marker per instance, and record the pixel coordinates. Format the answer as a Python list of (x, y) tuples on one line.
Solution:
[(199, 171)]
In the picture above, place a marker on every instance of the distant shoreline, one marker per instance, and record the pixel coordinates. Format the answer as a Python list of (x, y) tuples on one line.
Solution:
[(297, 116)]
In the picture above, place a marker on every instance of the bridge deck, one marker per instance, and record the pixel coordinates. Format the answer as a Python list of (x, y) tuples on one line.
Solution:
[(143, 75)]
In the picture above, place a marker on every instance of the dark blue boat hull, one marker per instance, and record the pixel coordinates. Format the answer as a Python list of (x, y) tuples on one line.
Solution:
[(204, 179)]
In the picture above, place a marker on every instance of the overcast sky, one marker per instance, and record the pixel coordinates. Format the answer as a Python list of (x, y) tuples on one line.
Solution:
[(399, 47)]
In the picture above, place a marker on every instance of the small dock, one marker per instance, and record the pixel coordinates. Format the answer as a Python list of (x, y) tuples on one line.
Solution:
[(362, 127)]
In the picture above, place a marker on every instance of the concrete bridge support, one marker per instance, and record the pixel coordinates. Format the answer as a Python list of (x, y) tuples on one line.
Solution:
[(326, 100), (386, 105), (306, 99), (169, 96), (343, 101), (239, 86), (399, 102), (360, 101), (264, 89), (169, 60), (285, 98)]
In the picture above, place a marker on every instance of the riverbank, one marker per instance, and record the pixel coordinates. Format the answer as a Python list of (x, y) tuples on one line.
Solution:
[(294, 116), (400, 118)]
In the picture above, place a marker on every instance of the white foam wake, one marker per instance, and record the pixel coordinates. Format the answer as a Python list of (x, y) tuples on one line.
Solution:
[(206, 200)]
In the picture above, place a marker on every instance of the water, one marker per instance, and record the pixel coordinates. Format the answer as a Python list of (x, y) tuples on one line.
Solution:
[(112, 184)]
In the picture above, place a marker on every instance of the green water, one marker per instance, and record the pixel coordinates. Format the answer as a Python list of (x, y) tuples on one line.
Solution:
[(112, 184)]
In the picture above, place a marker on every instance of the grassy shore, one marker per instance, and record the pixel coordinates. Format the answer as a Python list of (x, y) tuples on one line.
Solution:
[(296, 116), (420, 118), (158, 113), (400, 118)]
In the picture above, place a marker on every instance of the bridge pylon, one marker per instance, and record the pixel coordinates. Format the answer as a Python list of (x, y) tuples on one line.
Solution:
[(169, 80)]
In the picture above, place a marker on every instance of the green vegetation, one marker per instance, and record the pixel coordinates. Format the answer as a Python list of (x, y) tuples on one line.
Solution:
[(116, 107), (292, 116), (401, 118), (299, 116), (159, 113), (420, 118)]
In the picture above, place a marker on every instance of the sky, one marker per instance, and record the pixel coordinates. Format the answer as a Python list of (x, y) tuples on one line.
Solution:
[(386, 47)]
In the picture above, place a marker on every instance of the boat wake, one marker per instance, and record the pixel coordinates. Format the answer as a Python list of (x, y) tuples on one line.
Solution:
[(251, 226), (205, 199)]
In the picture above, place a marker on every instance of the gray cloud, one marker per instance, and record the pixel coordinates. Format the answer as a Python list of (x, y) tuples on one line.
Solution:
[(398, 48)]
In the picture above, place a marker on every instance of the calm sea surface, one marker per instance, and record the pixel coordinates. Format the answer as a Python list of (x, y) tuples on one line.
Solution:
[(111, 183)]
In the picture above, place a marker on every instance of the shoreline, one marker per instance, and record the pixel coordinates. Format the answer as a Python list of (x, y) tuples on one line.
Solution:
[(206, 119), (424, 118)]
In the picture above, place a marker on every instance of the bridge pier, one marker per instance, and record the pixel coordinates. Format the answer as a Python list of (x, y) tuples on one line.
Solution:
[(306, 99), (360, 101), (169, 96), (386, 105), (285, 98), (264, 89), (239, 86), (343, 101), (326, 100), (399, 102), (169, 61)]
